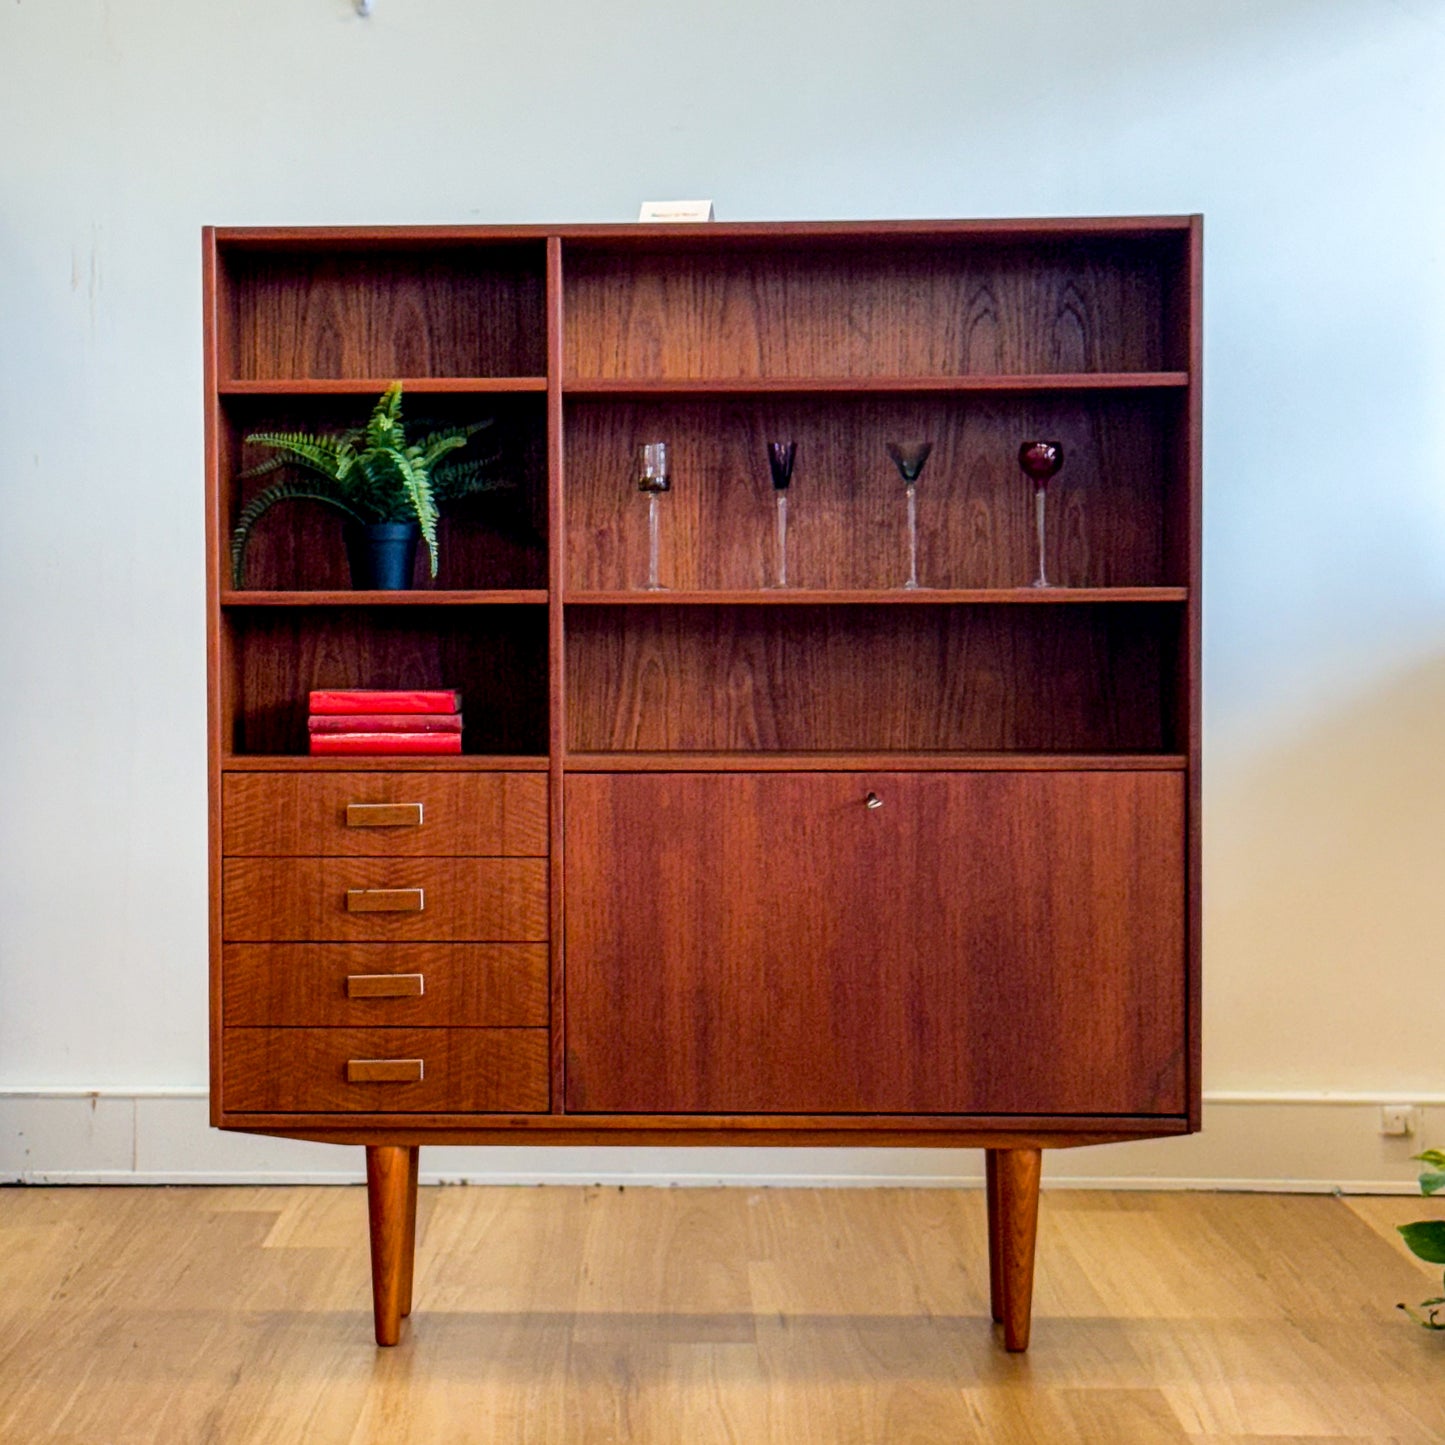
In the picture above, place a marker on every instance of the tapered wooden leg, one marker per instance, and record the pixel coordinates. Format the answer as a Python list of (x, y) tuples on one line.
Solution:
[(389, 1193), (995, 1263), (1015, 1196), (408, 1254)]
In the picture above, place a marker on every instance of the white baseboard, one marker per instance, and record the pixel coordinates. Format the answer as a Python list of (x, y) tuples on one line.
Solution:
[(1284, 1142)]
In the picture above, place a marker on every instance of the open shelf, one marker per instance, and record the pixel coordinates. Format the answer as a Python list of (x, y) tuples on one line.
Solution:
[(461, 311), (874, 386), (495, 657), (1117, 513), (878, 679), (910, 307), (842, 762), (491, 543), (360, 597)]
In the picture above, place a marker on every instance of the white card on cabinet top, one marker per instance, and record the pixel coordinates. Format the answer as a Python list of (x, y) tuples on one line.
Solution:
[(676, 211)]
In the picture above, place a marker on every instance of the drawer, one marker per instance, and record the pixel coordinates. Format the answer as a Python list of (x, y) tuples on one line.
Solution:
[(414, 1071), (375, 900), (420, 985), (384, 814)]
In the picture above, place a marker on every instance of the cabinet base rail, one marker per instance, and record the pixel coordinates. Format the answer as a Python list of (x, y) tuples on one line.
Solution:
[(1013, 1217)]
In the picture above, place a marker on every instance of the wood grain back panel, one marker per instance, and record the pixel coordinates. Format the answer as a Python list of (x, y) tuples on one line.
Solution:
[(305, 900), (386, 313), (462, 984), (297, 814), (464, 1070), (895, 309), (1000, 943), (1057, 679), (1109, 508)]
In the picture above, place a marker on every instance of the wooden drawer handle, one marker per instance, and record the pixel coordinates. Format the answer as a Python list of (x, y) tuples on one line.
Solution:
[(385, 985), (385, 900), (385, 1071), (383, 815)]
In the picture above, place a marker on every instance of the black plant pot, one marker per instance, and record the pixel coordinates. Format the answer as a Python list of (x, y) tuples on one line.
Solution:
[(382, 555)]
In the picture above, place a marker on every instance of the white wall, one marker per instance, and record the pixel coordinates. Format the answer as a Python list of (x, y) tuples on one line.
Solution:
[(1309, 132)]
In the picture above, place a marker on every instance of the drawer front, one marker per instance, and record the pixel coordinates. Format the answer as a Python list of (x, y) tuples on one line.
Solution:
[(382, 900), (417, 985), (385, 814), (412, 1071)]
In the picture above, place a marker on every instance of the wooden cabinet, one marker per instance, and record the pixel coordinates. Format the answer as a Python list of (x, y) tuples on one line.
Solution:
[(722, 861)]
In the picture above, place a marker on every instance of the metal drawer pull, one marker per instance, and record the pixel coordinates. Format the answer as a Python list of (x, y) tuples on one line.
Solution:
[(385, 985), (385, 900), (383, 815), (385, 1071), (873, 801)]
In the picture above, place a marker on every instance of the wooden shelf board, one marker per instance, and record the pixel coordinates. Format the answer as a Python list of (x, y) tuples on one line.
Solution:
[(760, 762), (374, 386), (413, 597), (928, 596), (453, 763), (873, 385)]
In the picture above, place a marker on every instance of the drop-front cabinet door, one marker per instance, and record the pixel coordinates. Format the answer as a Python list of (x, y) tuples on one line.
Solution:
[(930, 943)]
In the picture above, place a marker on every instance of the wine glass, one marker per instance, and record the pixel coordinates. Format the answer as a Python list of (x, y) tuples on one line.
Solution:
[(909, 460), (781, 456), (1040, 461), (654, 479)]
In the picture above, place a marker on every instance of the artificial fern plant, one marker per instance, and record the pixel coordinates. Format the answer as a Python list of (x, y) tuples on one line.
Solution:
[(369, 475)]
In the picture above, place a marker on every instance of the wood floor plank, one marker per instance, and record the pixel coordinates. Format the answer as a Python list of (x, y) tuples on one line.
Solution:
[(1383, 1212), (687, 1317)]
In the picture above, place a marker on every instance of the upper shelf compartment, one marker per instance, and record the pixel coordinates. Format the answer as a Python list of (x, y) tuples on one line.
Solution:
[(825, 313), (455, 311)]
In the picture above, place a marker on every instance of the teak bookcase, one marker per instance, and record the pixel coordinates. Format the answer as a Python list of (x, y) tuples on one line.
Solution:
[(725, 863)]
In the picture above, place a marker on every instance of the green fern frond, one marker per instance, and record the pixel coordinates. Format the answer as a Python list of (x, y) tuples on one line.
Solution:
[(468, 479), (431, 454), (318, 453), (264, 469), (376, 483), (252, 512), (465, 432), (383, 427), (418, 486)]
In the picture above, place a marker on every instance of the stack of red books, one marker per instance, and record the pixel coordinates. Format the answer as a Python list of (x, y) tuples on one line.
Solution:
[(372, 723)]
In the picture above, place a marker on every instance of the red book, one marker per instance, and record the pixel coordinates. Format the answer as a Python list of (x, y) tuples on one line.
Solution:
[(385, 745), (353, 700), (386, 722)]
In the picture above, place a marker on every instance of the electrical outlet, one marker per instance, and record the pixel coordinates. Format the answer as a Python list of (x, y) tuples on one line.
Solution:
[(1398, 1120)]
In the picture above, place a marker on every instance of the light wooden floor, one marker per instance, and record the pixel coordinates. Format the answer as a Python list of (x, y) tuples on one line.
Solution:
[(694, 1316)]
